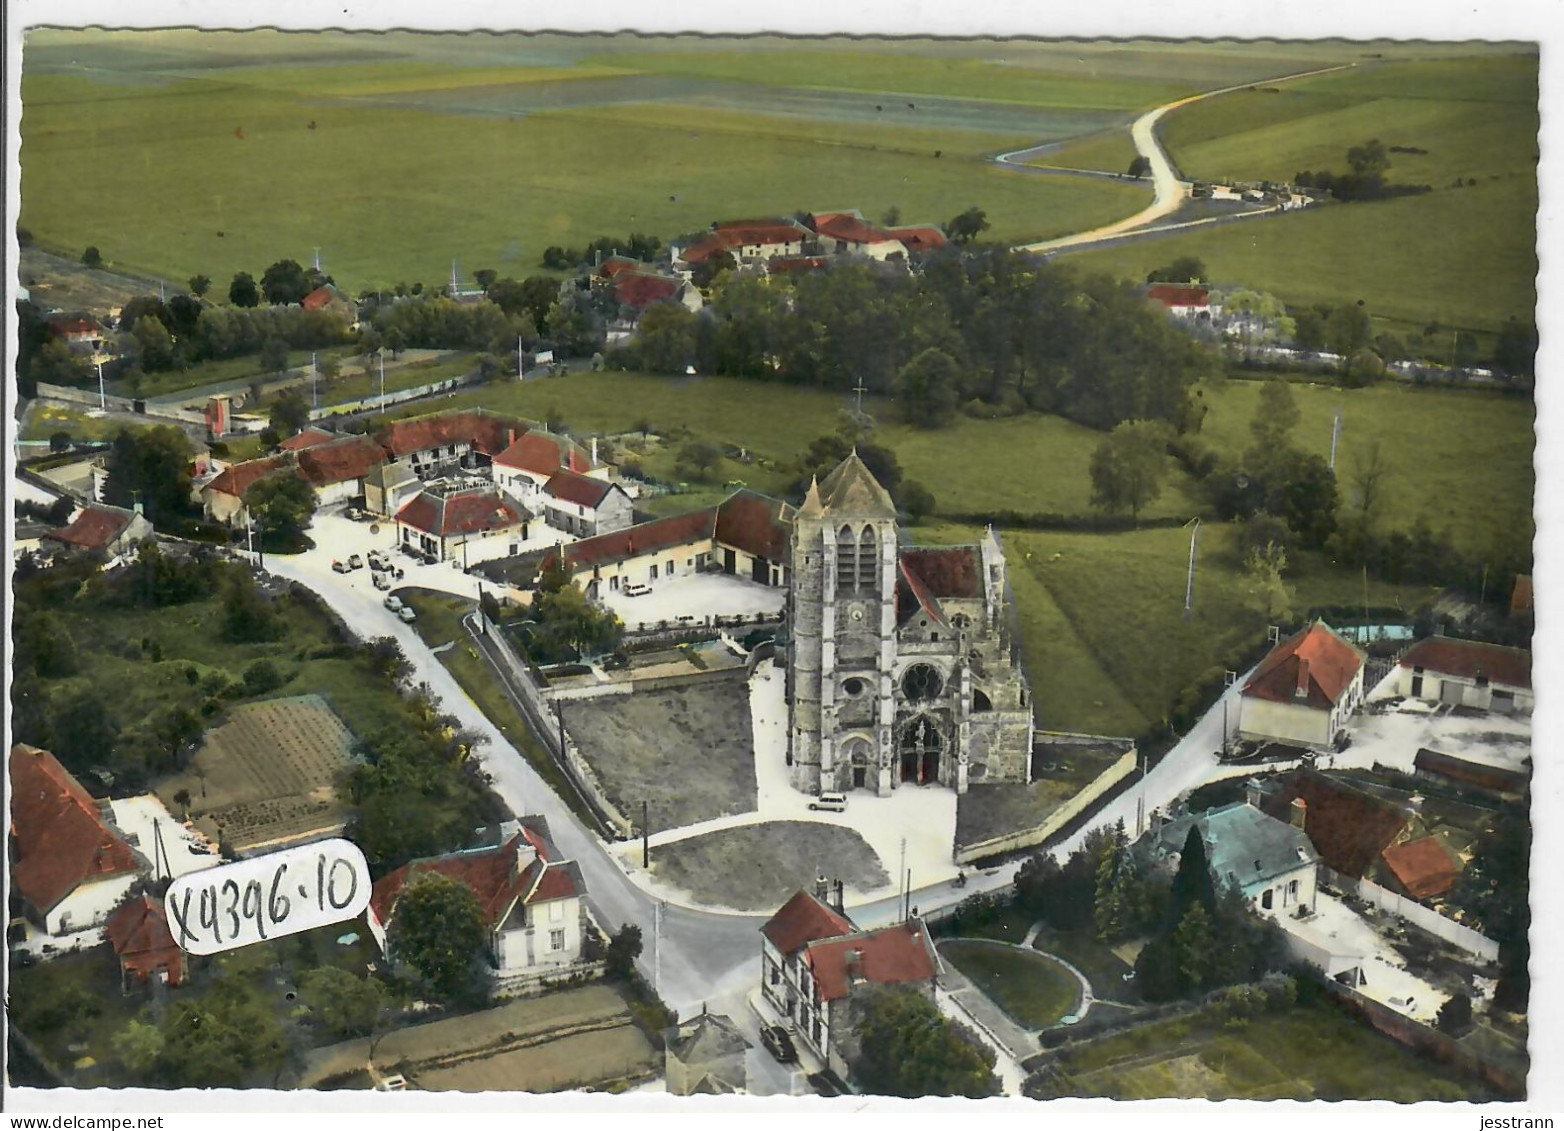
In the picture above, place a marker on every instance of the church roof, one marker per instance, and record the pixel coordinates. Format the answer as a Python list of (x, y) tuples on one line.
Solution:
[(852, 489)]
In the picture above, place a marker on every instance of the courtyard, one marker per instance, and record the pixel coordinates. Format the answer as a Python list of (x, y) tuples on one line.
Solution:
[(696, 596)]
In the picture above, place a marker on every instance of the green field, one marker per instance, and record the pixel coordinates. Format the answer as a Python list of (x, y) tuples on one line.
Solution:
[(1032, 988), (1462, 256)]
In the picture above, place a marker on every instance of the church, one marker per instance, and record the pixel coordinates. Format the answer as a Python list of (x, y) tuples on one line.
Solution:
[(901, 660)]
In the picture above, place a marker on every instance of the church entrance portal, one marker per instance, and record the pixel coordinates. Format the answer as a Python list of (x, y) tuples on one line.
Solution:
[(860, 763), (921, 746)]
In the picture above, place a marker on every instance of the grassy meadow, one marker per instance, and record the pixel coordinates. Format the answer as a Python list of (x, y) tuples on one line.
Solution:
[(1463, 256)]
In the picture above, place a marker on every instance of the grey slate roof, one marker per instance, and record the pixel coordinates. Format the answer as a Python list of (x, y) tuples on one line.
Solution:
[(708, 1037), (1243, 845)]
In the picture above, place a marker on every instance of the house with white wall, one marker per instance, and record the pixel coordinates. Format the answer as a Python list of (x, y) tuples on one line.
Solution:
[(1304, 690), (584, 506), (100, 528), (1271, 862), (1465, 673), (532, 898), (463, 523), (70, 867)]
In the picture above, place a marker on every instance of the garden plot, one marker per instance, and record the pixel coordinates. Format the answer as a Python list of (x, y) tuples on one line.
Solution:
[(269, 775)]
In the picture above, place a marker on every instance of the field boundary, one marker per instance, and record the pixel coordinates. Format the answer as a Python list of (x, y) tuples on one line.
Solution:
[(1056, 820)]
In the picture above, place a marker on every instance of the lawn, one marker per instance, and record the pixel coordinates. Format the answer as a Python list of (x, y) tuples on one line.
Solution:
[(357, 383), (1103, 969), (44, 420), (757, 867), (1110, 151), (72, 1008), (1478, 488), (1477, 120), (1032, 988), (1311, 1051), (233, 369)]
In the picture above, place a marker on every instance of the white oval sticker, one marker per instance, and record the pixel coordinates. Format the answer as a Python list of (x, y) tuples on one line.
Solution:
[(267, 897)]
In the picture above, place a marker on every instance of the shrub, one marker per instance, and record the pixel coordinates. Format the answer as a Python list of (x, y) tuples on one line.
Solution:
[(262, 676)]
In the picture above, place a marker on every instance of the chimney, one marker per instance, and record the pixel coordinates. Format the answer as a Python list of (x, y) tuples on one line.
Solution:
[(510, 436), (594, 451), (822, 888), (1253, 795), (838, 901), (1303, 678), (1298, 814), (136, 507)]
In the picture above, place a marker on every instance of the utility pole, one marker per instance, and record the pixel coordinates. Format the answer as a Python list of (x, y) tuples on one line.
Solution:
[(901, 874), (382, 382), (1189, 586), (103, 401), (521, 370), (657, 947), (646, 840), (314, 368), (1335, 435)]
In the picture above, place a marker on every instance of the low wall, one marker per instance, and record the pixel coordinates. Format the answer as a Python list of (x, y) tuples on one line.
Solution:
[(87, 397), (401, 396), (1419, 915), (1058, 819)]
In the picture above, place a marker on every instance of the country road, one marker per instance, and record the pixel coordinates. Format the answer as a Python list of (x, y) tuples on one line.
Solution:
[(1169, 192)]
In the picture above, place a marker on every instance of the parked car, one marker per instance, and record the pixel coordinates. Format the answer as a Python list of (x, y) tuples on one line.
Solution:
[(393, 602), (1404, 1004), (636, 589), (778, 1044), (340, 567), (382, 581), (830, 802), (396, 1083), (618, 662), (377, 560), (355, 562), (407, 614)]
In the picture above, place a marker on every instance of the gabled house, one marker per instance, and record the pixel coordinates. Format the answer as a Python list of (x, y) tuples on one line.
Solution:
[(918, 239), (1304, 690), (584, 506), (81, 332), (1271, 863), (69, 865), (531, 459), (389, 486), (847, 233), (439, 444), (1349, 827), (465, 524), (1467, 673), (223, 497), (144, 945), (1188, 301), (532, 900), (100, 528), (332, 301), (637, 292), (1425, 869), (705, 1057), (309, 437), (814, 958), (338, 470)]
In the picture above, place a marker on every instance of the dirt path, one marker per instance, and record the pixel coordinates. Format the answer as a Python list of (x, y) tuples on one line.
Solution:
[(1169, 192)]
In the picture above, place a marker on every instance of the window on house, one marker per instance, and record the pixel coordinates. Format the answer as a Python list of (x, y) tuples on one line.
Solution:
[(668, 569), (1292, 889), (654, 573), (613, 583), (556, 940), (1265, 900)]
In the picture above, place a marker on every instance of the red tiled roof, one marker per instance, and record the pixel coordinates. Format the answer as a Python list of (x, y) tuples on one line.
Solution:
[(804, 919), (60, 839), (492, 876), (760, 526), (889, 956), (647, 538), (918, 239), (912, 593), (640, 291), (616, 265), (1178, 294), (236, 478), (705, 248), (1323, 662), (797, 263), (140, 936), (94, 527), (582, 490), (1425, 867), (308, 438), (1348, 827), (531, 452), (749, 233), (462, 512), (947, 572), (74, 327), (1493, 778), (846, 227), (318, 299), (1471, 659), (341, 461), (488, 434)]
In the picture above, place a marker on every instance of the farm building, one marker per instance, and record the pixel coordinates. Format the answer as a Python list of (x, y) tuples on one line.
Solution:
[(223, 497), (100, 528), (443, 443), (388, 486), (338, 470), (144, 945), (455, 521), (532, 900), (705, 1056), (1496, 780), (1425, 868), (584, 506), (532, 458), (813, 958), (1304, 691), (307, 438), (1183, 300), (847, 233), (1467, 673), (1271, 862), (70, 867), (1349, 827)]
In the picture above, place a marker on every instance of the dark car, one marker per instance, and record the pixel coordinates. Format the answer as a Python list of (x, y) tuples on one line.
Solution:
[(778, 1043)]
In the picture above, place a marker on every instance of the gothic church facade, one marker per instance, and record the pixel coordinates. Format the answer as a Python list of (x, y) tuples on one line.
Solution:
[(902, 664)]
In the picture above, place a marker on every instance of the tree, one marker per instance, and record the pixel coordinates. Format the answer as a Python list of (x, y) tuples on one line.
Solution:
[(274, 355), (1139, 167), (152, 466), (906, 1047), (139, 1047), (92, 257), (243, 292), (329, 368), (967, 226), (666, 338), (1370, 474), (698, 459), (343, 1004), (1347, 329), (57, 364), (248, 618), (223, 1039), (284, 283), (1364, 367), (59, 442), (1193, 883), (1263, 584), (1306, 497), (182, 799), (927, 389), (1184, 269), (484, 277), (1493, 893), (624, 947), (290, 413), (1194, 949), (566, 620), (150, 345), (438, 929), (282, 505), (1369, 159), (1128, 466), (1455, 1015), (86, 732), (44, 644), (892, 217), (1275, 417), (916, 500), (200, 284)]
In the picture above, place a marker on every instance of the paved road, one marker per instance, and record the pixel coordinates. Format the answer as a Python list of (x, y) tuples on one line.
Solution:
[(1169, 192)]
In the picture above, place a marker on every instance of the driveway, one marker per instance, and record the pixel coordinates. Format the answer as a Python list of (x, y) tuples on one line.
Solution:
[(694, 595)]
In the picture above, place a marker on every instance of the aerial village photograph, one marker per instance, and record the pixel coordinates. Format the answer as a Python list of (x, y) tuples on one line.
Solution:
[(787, 569)]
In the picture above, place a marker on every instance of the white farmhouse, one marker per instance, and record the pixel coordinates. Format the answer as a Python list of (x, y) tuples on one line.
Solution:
[(1304, 691), (1466, 673)]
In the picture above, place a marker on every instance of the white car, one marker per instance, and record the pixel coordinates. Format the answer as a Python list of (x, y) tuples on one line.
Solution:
[(830, 803), (407, 614), (393, 602), (636, 589)]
